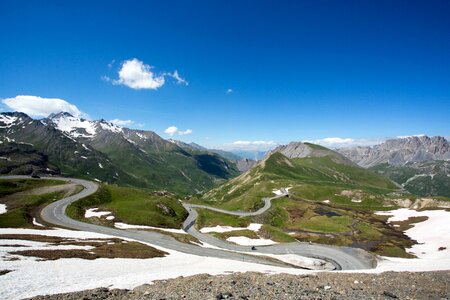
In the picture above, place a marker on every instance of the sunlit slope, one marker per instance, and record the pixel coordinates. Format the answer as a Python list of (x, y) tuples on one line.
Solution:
[(324, 169)]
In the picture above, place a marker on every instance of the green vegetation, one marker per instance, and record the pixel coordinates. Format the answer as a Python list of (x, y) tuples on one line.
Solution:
[(27, 207), (247, 233), (428, 178), (331, 201), (207, 218), (9, 186), (132, 206)]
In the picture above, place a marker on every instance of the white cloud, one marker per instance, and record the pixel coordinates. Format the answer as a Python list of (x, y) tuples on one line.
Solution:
[(137, 75), (119, 122), (249, 145), (407, 136), (229, 91), (337, 142), (172, 130), (178, 78), (41, 107)]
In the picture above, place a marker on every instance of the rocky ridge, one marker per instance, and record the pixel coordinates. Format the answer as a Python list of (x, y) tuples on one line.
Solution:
[(400, 151)]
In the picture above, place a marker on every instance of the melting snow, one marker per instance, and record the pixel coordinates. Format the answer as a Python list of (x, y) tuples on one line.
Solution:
[(2, 208), (253, 227), (110, 127), (93, 212), (36, 223), (129, 226), (71, 126), (8, 120), (32, 277), (430, 235), (245, 241), (281, 191), (100, 165), (141, 136)]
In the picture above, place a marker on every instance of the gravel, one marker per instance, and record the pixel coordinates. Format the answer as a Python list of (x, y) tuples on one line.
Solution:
[(389, 285)]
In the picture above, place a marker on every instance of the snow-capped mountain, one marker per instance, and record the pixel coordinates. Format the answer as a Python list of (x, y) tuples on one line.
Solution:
[(104, 151)]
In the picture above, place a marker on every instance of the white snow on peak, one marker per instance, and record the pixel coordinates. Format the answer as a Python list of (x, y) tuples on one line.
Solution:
[(141, 136), (74, 126), (110, 127), (8, 120)]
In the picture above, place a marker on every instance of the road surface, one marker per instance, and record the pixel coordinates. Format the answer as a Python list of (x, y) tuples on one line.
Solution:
[(341, 257)]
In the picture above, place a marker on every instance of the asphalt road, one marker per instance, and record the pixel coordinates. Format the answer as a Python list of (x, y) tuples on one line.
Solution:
[(341, 257)]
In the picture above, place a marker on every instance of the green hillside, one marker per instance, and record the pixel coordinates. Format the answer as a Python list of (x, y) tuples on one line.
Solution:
[(277, 171)]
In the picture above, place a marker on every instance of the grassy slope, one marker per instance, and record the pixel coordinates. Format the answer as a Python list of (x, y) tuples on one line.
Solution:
[(304, 215), (132, 206), (26, 207), (439, 185), (8, 187), (245, 191)]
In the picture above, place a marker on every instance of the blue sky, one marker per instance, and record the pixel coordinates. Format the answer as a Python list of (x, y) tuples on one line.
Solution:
[(267, 71)]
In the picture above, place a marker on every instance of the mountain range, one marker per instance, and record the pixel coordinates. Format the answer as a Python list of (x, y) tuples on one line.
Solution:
[(421, 164), (102, 151)]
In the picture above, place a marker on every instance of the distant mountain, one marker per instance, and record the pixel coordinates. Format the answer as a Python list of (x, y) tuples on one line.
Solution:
[(193, 146), (302, 150), (246, 164), (103, 151), (254, 155), (399, 151), (419, 163)]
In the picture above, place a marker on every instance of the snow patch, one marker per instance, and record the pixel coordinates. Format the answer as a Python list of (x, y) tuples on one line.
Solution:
[(100, 165), (32, 277), (282, 191), (75, 127), (93, 212), (7, 120), (110, 127), (129, 226), (326, 201), (220, 229), (36, 223), (3, 209), (245, 241), (430, 234)]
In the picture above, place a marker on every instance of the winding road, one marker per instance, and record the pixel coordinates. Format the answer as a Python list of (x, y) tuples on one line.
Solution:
[(343, 258)]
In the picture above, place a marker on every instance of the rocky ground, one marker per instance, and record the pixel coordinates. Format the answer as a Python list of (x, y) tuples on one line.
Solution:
[(390, 285)]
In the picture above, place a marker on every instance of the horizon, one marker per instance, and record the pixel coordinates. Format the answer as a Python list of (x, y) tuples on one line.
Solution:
[(247, 149), (222, 77)]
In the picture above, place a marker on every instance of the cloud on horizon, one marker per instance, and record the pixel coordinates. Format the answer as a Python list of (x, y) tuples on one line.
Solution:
[(122, 123), (249, 146), (36, 106), (338, 142), (173, 130)]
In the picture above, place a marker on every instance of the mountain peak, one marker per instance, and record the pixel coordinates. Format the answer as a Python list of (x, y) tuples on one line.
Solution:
[(59, 115), (398, 151)]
